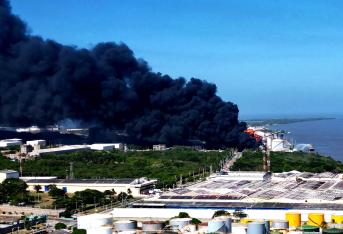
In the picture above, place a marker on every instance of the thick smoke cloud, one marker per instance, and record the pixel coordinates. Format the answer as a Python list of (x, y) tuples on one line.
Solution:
[(43, 82)]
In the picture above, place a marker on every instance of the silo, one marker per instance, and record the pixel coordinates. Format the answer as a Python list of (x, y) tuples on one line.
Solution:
[(216, 226), (152, 226), (335, 218), (315, 219), (294, 219), (178, 223), (256, 228), (332, 231), (280, 224), (125, 225)]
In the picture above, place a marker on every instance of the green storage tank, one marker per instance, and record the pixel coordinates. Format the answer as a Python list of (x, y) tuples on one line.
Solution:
[(333, 230), (309, 228)]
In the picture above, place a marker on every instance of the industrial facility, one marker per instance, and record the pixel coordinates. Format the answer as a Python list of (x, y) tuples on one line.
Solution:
[(121, 220)]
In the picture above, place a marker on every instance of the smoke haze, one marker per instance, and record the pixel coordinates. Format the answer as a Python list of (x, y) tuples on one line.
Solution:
[(43, 82)]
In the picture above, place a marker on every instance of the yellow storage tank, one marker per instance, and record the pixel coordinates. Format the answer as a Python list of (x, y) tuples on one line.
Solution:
[(337, 218), (294, 219), (246, 220), (315, 219)]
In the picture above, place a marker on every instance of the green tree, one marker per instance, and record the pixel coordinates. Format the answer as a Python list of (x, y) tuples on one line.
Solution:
[(37, 188), (183, 215), (13, 190), (59, 226), (79, 231), (55, 192)]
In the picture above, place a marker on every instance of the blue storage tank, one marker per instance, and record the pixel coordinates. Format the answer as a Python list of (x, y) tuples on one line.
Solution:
[(256, 228)]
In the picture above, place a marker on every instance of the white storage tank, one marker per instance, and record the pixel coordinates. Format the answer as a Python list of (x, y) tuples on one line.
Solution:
[(280, 224), (178, 223), (125, 225), (94, 221), (190, 228), (152, 226), (100, 230), (228, 222)]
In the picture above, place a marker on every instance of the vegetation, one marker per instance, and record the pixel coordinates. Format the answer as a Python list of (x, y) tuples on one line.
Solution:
[(281, 161), (183, 215), (59, 226), (79, 231), (239, 214), (163, 165), (14, 191), (219, 213)]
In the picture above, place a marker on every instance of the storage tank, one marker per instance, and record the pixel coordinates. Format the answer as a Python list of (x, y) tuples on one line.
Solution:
[(94, 221), (315, 219), (280, 224), (294, 219), (125, 225), (246, 220), (100, 230), (332, 231), (152, 226), (310, 228), (335, 218), (178, 223), (256, 228), (216, 225), (228, 222), (267, 226)]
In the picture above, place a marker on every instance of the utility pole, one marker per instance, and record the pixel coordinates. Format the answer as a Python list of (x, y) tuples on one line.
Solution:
[(71, 170)]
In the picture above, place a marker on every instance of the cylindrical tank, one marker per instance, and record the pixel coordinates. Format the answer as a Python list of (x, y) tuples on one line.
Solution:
[(216, 225), (315, 219), (94, 221), (256, 228), (178, 223), (246, 220), (280, 224), (125, 225), (332, 231), (100, 230), (335, 218), (152, 226), (228, 222), (309, 228), (294, 219)]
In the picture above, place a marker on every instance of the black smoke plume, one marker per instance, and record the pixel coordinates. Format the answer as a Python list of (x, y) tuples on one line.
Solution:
[(43, 82)]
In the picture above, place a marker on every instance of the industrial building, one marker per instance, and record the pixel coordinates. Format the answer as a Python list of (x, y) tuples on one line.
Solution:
[(109, 146), (33, 143), (138, 187), (10, 142), (59, 150), (6, 174)]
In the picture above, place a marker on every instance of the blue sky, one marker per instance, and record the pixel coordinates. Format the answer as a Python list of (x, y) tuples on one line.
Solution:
[(281, 57)]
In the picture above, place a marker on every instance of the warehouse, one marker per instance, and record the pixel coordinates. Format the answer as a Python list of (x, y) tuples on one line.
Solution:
[(60, 150), (137, 187), (10, 142)]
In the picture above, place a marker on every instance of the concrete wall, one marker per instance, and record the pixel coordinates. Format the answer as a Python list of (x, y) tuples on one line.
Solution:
[(29, 210)]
